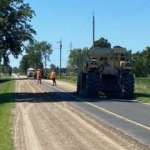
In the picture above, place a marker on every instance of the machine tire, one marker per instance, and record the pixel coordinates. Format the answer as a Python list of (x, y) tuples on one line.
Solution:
[(78, 84), (81, 84), (128, 86), (92, 81)]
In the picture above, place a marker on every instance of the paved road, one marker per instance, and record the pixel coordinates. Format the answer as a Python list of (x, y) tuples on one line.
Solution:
[(48, 117), (131, 117), (122, 116)]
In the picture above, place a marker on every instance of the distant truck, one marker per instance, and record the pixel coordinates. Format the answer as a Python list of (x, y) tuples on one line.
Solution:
[(31, 73)]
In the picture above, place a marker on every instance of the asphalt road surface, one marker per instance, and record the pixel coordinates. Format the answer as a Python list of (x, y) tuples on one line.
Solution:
[(54, 118)]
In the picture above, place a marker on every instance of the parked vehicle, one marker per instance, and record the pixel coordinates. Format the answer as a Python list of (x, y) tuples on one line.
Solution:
[(31, 73), (106, 71)]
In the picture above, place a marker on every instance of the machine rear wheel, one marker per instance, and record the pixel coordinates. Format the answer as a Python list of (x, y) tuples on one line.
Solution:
[(128, 86), (81, 81), (92, 81), (78, 84)]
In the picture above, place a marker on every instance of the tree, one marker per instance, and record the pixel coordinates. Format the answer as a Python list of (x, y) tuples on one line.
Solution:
[(146, 56), (35, 54), (103, 43), (24, 64), (46, 50), (53, 67), (141, 62), (76, 58), (15, 27), (15, 70)]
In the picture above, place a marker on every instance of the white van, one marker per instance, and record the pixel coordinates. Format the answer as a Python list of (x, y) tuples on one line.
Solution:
[(31, 73)]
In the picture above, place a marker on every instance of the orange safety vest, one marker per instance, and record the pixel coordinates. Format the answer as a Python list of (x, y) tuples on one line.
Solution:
[(39, 75), (53, 75)]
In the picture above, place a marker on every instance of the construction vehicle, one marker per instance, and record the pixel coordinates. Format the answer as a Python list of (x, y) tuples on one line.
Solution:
[(106, 71)]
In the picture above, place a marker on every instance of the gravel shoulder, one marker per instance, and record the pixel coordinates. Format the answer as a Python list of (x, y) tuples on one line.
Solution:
[(67, 86), (42, 123)]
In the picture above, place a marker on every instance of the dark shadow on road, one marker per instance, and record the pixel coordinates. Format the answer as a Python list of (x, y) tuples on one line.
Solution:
[(7, 98), (53, 97), (4, 80), (20, 79)]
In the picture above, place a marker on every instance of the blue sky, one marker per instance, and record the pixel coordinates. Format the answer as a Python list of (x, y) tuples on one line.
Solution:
[(122, 22)]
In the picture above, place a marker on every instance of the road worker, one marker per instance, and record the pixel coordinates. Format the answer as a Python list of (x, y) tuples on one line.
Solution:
[(53, 77), (39, 76)]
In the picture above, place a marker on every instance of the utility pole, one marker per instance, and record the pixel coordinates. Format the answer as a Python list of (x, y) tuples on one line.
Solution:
[(93, 30), (70, 46), (60, 58), (45, 66)]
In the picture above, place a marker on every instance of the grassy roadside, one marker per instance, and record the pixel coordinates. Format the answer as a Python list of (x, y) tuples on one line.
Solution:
[(71, 79), (142, 87), (142, 90), (6, 105)]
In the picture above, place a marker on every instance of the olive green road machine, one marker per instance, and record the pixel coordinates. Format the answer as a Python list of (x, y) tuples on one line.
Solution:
[(106, 71)]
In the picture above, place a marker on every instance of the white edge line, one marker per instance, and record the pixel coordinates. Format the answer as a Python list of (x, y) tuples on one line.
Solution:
[(119, 116), (110, 112), (148, 104)]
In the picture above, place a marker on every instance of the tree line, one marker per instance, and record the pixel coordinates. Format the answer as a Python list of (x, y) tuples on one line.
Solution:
[(17, 36), (140, 61), (15, 28), (37, 55)]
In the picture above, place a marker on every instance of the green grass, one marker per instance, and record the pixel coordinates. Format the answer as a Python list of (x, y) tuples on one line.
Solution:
[(142, 89), (6, 105)]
